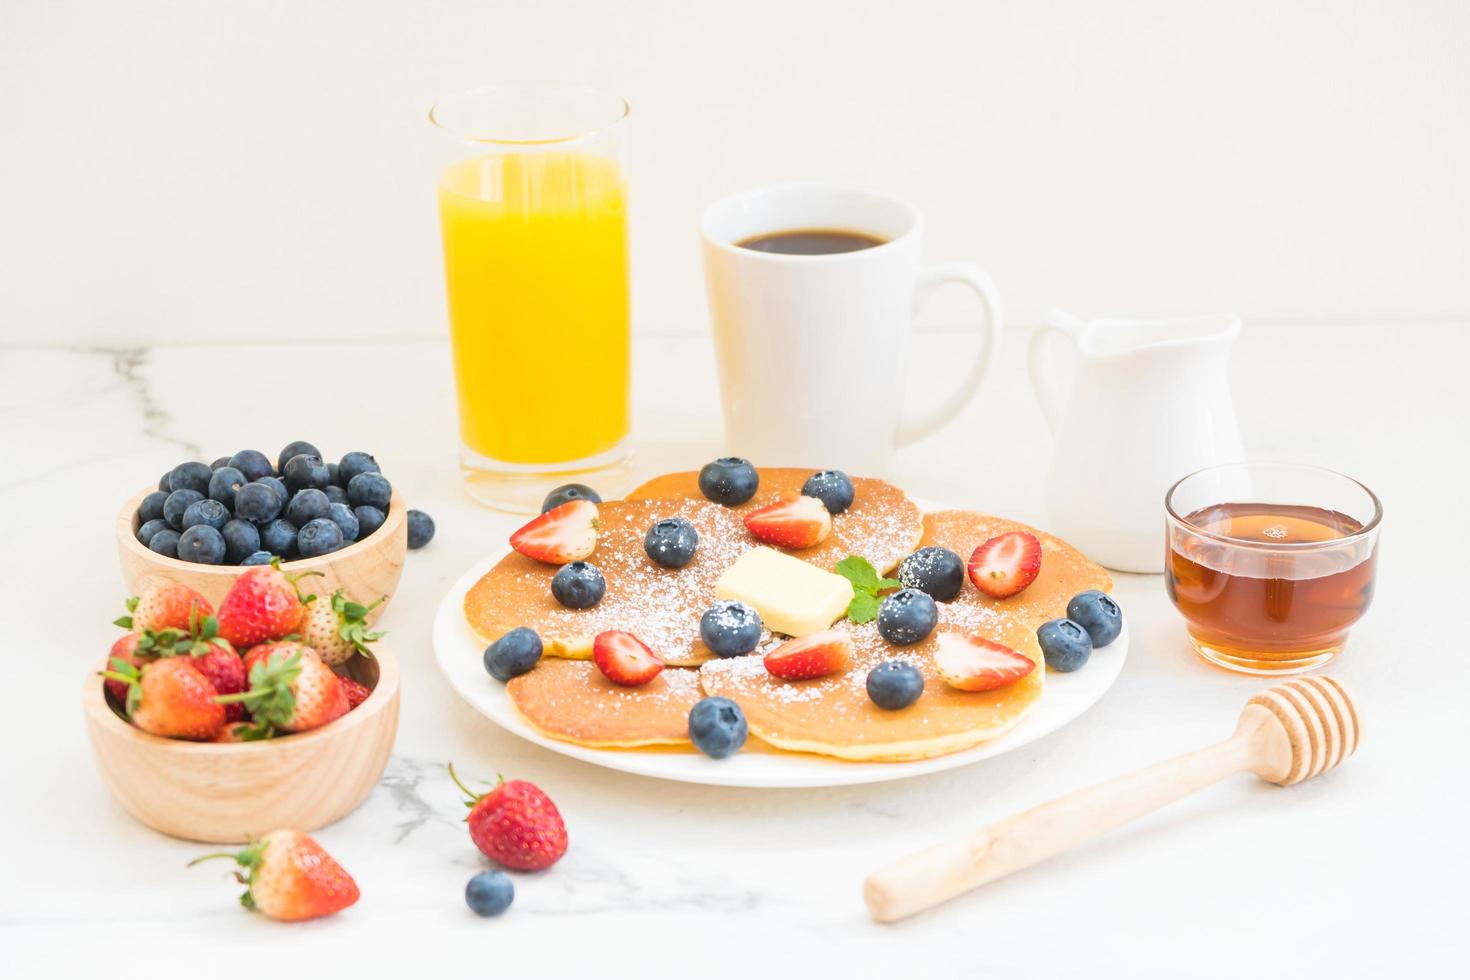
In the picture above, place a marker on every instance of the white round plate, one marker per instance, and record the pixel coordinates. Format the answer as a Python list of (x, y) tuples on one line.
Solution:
[(461, 657)]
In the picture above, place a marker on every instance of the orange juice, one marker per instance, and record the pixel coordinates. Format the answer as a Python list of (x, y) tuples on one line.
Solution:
[(536, 262)]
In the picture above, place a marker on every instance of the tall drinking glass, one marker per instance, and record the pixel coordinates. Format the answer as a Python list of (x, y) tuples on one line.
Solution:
[(533, 210)]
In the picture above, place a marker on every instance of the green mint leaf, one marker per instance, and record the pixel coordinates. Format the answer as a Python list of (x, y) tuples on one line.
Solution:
[(884, 584), (860, 572), (863, 608)]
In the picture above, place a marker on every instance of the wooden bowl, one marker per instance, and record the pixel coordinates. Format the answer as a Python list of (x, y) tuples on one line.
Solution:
[(367, 569), (237, 791)]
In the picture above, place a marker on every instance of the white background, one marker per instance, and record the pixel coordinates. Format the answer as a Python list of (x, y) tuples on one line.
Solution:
[(185, 172)]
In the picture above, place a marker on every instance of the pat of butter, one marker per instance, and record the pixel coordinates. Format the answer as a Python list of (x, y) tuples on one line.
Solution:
[(792, 596)]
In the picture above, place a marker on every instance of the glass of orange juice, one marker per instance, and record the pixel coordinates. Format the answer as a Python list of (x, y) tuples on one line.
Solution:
[(533, 211)]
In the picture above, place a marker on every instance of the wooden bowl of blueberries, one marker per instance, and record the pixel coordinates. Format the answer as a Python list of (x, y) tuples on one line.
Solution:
[(206, 522)]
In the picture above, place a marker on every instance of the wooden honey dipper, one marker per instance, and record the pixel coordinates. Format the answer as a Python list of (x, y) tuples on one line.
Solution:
[(1286, 734)]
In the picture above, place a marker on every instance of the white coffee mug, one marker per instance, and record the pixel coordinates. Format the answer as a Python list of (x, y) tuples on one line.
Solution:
[(813, 349)]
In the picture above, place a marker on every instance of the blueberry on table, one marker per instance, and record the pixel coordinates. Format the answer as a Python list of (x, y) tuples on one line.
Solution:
[(489, 893), (148, 529), (568, 492), (178, 502), (242, 539), (278, 485), (336, 494), (937, 571), (1096, 612), (894, 685), (190, 476), (258, 558), (257, 502), (202, 544), (370, 490), (253, 463), (152, 506), (907, 616), (369, 519), (297, 448), (317, 538), (355, 463), (279, 537), (308, 505), (224, 483), (513, 654), (420, 529), (210, 512), (717, 727), (577, 585), (729, 480), (1065, 644), (730, 628), (671, 542), (306, 472), (342, 516), (832, 487), (165, 542)]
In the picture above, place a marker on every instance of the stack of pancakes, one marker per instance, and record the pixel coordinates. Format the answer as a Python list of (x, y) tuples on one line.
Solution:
[(566, 697)]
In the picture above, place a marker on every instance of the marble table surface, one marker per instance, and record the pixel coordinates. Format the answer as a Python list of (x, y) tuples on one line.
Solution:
[(1357, 874)]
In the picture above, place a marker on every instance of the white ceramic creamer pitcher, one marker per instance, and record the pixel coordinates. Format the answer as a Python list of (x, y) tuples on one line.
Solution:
[(1149, 404)]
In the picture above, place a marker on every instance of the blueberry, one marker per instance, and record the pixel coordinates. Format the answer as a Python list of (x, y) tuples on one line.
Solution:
[(165, 542), (148, 529), (420, 529), (334, 475), (318, 537), (242, 539), (220, 463), (730, 628), (513, 654), (307, 505), (253, 463), (151, 507), (295, 449), (1097, 613), (190, 476), (210, 512), (175, 505), (671, 542), (489, 893), (831, 487), (354, 463), (568, 492), (257, 502), (369, 519), (279, 538), (937, 571), (342, 516), (257, 558), (729, 480), (370, 490), (202, 543), (894, 684), (305, 472), (224, 483), (1065, 644), (578, 585), (336, 494), (717, 727), (907, 617), (163, 482), (278, 485)]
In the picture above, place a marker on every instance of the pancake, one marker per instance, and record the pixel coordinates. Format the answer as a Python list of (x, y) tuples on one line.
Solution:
[(834, 716), (883, 524), (661, 606), (570, 700)]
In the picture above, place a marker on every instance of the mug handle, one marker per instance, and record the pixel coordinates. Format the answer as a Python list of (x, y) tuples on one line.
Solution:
[(917, 426), (1039, 360)]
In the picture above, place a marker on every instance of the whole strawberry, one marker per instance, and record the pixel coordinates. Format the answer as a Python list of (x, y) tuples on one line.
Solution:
[(214, 657), (516, 824), (336, 627), (122, 655), (162, 606), (292, 690), (169, 697), (290, 877), (263, 604)]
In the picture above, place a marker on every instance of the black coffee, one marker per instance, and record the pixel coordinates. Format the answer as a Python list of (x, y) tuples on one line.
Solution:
[(811, 241)]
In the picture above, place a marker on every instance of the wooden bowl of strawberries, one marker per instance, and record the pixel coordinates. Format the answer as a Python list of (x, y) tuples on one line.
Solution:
[(277, 709)]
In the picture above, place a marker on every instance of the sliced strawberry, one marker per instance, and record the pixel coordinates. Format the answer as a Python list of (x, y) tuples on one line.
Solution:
[(1006, 564), (796, 523), (973, 663), (624, 659), (810, 656), (563, 534)]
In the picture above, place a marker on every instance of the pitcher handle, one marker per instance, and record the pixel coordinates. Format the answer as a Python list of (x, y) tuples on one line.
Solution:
[(916, 426), (1039, 361)]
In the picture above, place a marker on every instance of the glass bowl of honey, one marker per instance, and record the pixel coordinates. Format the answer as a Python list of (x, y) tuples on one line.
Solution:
[(1270, 563)]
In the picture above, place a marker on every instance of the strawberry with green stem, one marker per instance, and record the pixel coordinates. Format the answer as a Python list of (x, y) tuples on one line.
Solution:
[(336, 627), (162, 606), (292, 690), (264, 604), (289, 876), (515, 823), (168, 697)]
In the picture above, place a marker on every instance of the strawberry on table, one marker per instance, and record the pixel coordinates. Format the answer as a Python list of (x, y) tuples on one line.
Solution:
[(336, 627), (624, 659), (563, 534), (1005, 564), (516, 824), (292, 690), (162, 606), (973, 663), (800, 522), (816, 655), (169, 697), (263, 604), (290, 877)]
